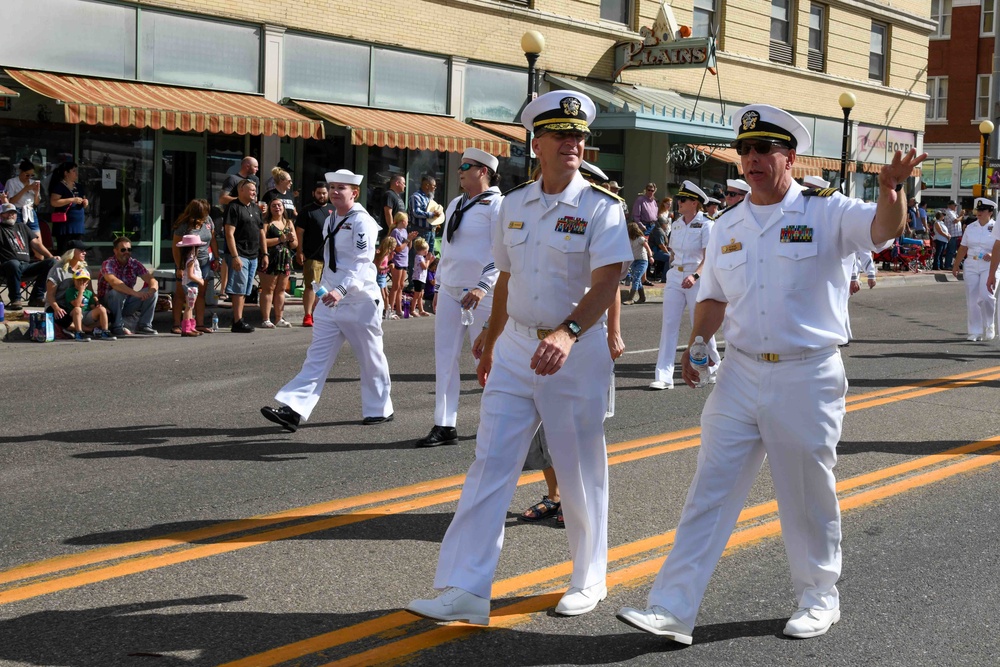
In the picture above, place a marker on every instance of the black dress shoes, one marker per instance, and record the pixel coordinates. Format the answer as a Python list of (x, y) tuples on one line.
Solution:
[(439, 435), (284, 417), (368, 421)]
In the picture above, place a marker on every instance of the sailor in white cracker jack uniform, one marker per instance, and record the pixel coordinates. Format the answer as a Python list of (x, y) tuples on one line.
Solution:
[(350, 312), (466, 277), (688, 240), (775, 271), (977, 251), (560, 244)]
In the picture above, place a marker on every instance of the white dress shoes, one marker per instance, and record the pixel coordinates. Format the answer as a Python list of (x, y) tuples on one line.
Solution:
[(660, 384), (806, 623), (454, 604), (658, 621), (991, 333), (972, 338), (578, 601)]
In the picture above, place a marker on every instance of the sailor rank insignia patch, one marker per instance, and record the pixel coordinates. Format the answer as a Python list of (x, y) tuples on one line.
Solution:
[(797, 234), (733, 246), (569, 225)]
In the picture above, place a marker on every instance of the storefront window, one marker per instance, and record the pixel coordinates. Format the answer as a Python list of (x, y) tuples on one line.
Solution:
[(492, 93), (116, 172), (970, 172), (199, 53), (423, 163), (319, 157), (410, 82), (324, 70), (937, 172), (74, 36)]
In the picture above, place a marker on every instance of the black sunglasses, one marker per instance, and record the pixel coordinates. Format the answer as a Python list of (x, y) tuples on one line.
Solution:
[(730, 193), (466, 166), (762, 147), (126, 249), (683, 198)]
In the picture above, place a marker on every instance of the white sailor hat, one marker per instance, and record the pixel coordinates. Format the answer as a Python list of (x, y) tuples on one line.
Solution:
[(985, 204), (559, 111), (737, 184), (713, 200), (482, 157), (763, 122), (343, 176), (815, 182), (588, 170), (689, 189)]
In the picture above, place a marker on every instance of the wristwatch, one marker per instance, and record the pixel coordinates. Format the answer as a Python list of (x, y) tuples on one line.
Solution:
[(695, 276), (574, 328)]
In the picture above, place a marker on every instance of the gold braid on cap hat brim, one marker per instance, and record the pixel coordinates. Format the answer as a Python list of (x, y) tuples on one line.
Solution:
[(685, 193), (768, 135), (561, 125)]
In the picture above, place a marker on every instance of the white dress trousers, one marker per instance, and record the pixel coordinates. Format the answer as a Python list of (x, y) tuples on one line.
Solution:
[(571, 405), (449, 339), (791, 411), (980, 304)]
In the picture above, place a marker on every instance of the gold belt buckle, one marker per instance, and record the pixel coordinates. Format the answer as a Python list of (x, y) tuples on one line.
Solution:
[(543, 333), (769, 356), (680, 268)]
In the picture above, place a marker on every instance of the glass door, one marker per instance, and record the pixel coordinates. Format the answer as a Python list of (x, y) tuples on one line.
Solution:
[(181, 176)]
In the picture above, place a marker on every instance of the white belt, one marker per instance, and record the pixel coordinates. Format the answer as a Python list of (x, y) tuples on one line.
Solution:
[(771, 357)]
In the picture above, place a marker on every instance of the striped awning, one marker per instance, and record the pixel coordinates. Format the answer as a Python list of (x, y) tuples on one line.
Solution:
[(397, 129), (132, 104), (7, 92)]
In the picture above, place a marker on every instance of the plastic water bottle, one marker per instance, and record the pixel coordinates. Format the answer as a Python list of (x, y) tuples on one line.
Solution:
[(320, 290), (215, 321), (2, 314), (467, 315), (698, 353)]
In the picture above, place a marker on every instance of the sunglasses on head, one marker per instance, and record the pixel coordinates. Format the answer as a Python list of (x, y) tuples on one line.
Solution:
[(466, 166), (761, 146)]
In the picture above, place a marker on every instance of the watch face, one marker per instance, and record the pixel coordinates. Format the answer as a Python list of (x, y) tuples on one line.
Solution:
[(574, 328)]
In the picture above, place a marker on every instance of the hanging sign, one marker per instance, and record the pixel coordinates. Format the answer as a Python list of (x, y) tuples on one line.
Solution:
[(665, 44)]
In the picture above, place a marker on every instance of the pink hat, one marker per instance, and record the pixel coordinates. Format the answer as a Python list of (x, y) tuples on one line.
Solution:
[(189, 240)]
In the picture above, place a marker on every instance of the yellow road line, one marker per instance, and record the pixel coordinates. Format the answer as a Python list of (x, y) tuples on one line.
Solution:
[(521, 612), (193, 552), (550, 574)]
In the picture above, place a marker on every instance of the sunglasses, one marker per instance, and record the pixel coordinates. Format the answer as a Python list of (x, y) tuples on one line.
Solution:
[(125, 249), (762, 147), (730, 193), (466, 166), (682, 198)]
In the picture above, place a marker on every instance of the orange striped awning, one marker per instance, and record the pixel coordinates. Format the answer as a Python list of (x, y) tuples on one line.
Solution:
[(397, 129), (7, 92), (132, 104)]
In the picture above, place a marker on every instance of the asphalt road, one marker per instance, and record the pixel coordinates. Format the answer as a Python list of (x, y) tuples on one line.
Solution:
[(152, 517)]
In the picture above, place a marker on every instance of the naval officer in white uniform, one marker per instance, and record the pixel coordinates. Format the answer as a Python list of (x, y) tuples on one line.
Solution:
[(775, 271), (560, 244), (977, 251), (688, 239), (350, 313), (466, 278)]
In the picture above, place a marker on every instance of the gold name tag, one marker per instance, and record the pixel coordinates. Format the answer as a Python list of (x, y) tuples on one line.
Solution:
[(732, 247), (515, 224)]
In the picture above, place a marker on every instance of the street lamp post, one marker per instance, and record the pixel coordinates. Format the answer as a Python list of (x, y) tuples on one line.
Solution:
[(847, 101), (532, 43), (986, 129)]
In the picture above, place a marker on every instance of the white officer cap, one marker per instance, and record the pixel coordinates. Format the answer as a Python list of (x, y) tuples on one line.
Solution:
[(689, 189), (588, 170), (482, 157), (815, 182), (713, 200), (559, 111), (985, 204), (767, 123), (343, 176), (737, 184)]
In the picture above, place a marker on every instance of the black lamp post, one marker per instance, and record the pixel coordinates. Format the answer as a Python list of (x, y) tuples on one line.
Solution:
[(847, 101), (532, 43), (986, 129)]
